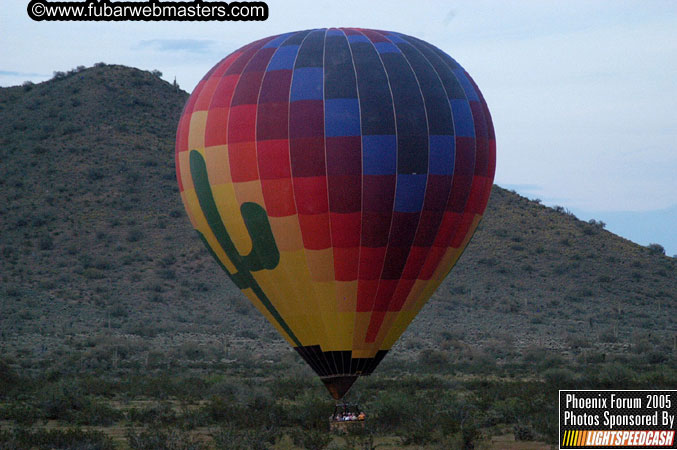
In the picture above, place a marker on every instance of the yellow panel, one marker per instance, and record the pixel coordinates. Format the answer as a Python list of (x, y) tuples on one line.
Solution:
[(287, 233), (193, 205), (289, 242), (249, 191), (218, 164), (345, 323), (196, 133), (229, 210), (262, 309), (288, 291), (326, 295), (340, 331), (295, 302), (363, 353), (200, 224), (277, 290), (307, 303), (189, 211), (282, 286), (321, 264), (346, 296), (184, 167)]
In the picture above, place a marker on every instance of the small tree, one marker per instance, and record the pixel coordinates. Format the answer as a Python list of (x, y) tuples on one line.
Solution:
[(656, 249), (597, 223)]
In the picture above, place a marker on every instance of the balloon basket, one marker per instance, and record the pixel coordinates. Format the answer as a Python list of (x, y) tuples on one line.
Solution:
[(347, 417)]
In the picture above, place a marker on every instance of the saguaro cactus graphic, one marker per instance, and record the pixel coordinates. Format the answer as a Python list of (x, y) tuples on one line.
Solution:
[(264, 253)]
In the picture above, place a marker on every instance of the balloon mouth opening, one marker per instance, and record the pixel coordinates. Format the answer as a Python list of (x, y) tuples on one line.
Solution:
[(339, 386)]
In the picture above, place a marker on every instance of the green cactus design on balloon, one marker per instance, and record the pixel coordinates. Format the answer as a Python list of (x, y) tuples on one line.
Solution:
[(264, 253)]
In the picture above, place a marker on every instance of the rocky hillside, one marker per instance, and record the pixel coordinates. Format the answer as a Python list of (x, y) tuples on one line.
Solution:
[(96, 251)]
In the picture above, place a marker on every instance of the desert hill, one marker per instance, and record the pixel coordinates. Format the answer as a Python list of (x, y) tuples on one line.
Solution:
[(96, 253)]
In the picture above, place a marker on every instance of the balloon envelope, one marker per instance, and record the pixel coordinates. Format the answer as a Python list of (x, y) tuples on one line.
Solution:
[(336, 175)]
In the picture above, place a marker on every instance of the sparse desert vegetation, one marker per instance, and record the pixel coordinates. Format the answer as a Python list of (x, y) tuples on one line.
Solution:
[(118, 330)]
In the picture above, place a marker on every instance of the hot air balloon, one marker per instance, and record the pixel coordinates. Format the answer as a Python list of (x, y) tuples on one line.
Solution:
[(336, 175)]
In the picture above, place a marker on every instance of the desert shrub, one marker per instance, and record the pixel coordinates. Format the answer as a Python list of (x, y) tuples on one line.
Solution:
[(134, 235), (656, 249), (559, 378), (577, 341), (232, 438), (597, 223), (60, 401), (608, 335), (249, 334), (592, 357), (66, 401), (261, 410), (167, 261), (311, 439), (359, 439), (92, 274), (226, 388), (191, 350), (118, 310), (458, 290), (219, 409), (289, 388), (312, 410), (434, 359), (20, 413), (167, 274), (656, 357), (153, 438), (46, 243), (8, 379), (191, 418), (387, 411), (615, 376), (41, 439), (523, 432), (418, 430), (157, 414), (98, 413)]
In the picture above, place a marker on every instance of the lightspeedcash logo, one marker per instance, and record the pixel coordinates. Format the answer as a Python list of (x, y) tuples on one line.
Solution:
[(152, 10), (617, 419)]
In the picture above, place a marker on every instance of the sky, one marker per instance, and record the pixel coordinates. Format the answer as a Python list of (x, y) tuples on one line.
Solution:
[(583, 93)]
